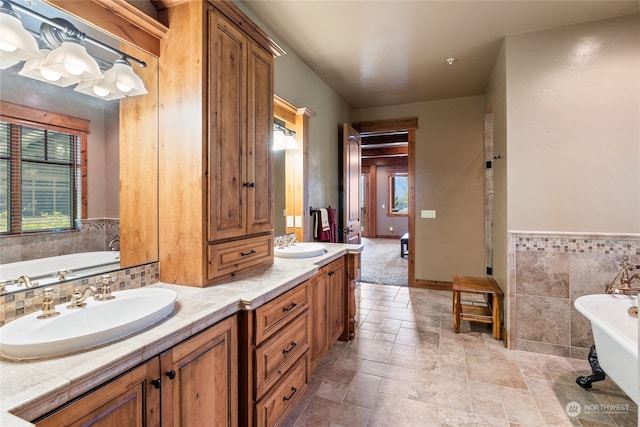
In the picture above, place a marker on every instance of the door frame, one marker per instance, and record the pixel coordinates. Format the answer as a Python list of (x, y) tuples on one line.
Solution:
[(410, 125)]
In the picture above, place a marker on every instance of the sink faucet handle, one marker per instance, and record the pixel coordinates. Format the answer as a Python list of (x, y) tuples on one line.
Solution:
[(48, 303), (62, 273), (105, 289)]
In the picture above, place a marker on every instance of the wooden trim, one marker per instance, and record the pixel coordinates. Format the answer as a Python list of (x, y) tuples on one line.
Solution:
[(34, 115), (387, 125), (412, 204), (431, 284), (118, 18)]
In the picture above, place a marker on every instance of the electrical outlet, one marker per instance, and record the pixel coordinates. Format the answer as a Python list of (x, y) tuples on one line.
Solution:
[(391, 229)]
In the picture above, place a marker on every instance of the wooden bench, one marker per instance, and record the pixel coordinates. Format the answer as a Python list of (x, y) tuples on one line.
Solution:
[(404, 245), (487, 311)]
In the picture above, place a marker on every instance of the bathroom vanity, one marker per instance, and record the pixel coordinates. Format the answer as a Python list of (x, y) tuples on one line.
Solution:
[(245, 347)]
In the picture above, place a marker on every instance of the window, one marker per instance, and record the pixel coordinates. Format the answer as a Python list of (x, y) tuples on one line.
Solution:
[(398, 193), (42, 170)]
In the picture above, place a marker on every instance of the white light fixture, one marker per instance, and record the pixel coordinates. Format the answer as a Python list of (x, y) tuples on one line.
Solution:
[(71, 60), (95, 89), (33, 69), (283, 138), (121, 78), (16, 43)]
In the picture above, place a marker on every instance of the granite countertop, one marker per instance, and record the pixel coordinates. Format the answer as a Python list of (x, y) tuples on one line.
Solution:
[(31, 388)]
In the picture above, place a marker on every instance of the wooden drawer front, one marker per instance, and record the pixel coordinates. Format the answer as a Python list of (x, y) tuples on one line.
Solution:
[(230, 257), (279, 352), (273, 409), (279, 311)]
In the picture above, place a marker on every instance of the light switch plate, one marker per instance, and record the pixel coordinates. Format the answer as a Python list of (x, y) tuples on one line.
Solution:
[(289, 221), (298, 221), (427, 214)]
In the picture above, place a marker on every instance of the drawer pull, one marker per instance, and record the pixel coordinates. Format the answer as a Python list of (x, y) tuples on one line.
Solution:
[(290, 307), (251, 252), (293, 345), (249, 184), (171, 374), (156, 383), (293, 391)]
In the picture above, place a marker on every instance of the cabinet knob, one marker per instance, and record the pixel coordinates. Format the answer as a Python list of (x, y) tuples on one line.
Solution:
[(156, 383), (171, 374)]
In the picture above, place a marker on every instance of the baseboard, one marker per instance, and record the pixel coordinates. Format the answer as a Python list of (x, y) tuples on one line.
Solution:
[(380, 236), (432, 284), (505, 337)]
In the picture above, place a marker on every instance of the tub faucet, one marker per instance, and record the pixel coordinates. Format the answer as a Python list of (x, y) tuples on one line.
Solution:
[(114, 244), (624, 287), (26, 281)]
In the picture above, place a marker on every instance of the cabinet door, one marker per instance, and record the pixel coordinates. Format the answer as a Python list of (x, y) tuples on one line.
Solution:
[(259, 131), (319, 318), (227, 129), (336, 292), (199, 379), (130, 400)]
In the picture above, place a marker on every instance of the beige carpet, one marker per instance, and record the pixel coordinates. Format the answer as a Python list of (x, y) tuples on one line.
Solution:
[(382, 264)]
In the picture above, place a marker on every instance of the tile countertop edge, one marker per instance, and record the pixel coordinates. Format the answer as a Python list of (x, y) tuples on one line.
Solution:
[(180, 325)]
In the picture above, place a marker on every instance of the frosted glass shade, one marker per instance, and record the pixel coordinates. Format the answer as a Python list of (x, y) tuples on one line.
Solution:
[(72, 60), (16, 44), (93, 88), (121, 78), (33, 69)]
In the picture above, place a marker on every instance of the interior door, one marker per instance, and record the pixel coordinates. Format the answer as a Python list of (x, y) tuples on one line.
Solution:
[(351, 181)]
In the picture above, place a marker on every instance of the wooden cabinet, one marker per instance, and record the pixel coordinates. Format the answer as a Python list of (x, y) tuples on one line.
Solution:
[(328, 309), (191, 384), (199, 379), (216, 118), (130, 400), (274, 363)]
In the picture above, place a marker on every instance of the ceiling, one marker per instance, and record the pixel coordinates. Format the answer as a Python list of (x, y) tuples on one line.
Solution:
[(378, 53)]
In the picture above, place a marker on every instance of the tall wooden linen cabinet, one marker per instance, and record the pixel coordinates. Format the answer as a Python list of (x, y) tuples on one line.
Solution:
[(216, 118)]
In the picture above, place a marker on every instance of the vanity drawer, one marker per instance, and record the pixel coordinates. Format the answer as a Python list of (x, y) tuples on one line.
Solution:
[(277, 312), (231, 257), (273, 409), (278, 353)]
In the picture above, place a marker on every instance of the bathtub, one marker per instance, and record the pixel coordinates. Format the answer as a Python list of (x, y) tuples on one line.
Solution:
[(615, 334), (40, 270)]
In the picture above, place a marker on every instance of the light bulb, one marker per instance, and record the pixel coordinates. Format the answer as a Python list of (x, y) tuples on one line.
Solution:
[(123, 87), (100, 91), (50, 75), (73, 69), (7, 47)]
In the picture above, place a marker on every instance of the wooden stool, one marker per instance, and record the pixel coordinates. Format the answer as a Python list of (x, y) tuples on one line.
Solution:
[(477, 311)]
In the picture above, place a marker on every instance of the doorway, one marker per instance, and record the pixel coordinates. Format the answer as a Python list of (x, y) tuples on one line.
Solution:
[(387, 150)]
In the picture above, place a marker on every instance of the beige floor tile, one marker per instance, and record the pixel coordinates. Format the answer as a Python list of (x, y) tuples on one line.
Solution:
[(448, 417), (322, 412), (403, 349), (392, 411), (440, 390), (385, 370), (495, 372), (394, 387), (363, 390)]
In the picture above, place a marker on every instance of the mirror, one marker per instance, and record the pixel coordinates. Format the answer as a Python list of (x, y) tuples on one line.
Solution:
[(100, 226), (279, 193)]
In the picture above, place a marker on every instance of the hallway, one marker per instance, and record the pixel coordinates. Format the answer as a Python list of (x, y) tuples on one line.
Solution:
[(408, 368), (382, 264)]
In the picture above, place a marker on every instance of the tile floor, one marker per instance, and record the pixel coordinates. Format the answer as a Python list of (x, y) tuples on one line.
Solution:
[(407, 367)]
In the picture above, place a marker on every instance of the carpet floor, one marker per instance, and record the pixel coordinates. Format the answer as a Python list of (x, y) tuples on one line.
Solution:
[(381, 263)]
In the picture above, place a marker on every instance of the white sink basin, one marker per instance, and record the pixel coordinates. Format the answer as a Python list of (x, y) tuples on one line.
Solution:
[(99, 322), (301, 250)]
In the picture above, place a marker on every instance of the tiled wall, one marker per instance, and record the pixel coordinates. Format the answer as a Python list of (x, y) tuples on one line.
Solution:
[(548, 272), (20, 303), (94, 235)]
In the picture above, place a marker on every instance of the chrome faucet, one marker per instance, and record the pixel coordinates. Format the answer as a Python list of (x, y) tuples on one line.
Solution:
[(624, 287), (26, 281), (114, 244)]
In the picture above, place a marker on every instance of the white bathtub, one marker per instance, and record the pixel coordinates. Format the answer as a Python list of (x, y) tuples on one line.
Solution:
[(615, 334), (81, 264)]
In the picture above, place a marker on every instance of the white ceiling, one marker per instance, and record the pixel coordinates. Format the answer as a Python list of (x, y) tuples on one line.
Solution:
[(378, 53)]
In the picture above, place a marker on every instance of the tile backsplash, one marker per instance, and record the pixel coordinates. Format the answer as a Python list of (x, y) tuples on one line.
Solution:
[(17, 304), (548, 271)]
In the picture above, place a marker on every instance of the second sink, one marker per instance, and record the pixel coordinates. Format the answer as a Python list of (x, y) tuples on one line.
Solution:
[(301, 250)]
